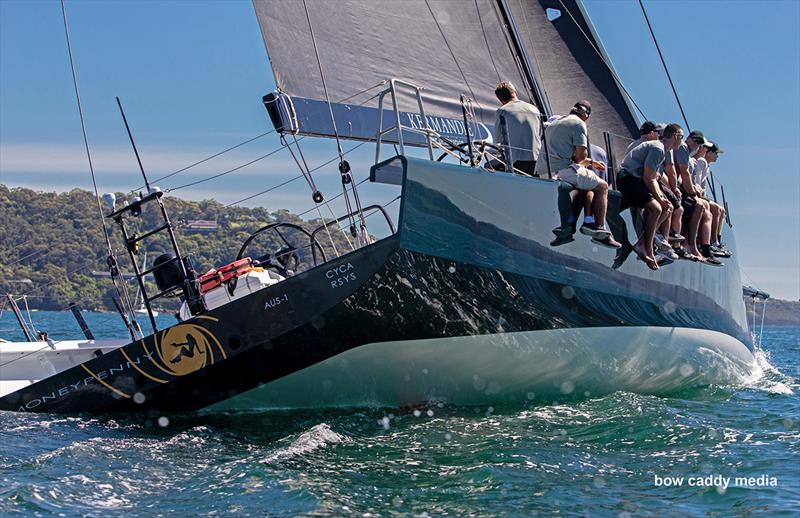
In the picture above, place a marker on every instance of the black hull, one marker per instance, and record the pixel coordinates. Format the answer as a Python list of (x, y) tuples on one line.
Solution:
[(444, 274)]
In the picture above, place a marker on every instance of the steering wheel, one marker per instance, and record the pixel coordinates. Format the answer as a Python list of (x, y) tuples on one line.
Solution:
[(480, 150), (286, 259)]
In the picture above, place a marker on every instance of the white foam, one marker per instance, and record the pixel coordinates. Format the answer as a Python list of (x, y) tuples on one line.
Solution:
[(768, 378), (319, 436)]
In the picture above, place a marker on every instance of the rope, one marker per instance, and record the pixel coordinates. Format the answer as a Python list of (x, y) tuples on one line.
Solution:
[(664, 64), (763, 313), (35, 332)]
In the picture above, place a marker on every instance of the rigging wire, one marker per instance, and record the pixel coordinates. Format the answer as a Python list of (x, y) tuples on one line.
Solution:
[(603, 59), (112, 260), (664, 64), (32, 254), (215, 155), (331, 199), (18, 245), (320, 166), (452, 54), (344, 167), (486, 40), (202, 180), (290, 180)]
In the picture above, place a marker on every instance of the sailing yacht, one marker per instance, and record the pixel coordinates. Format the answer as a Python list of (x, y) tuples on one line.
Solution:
[(466, 301)]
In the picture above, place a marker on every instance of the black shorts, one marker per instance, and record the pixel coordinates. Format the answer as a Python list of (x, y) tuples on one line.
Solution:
[(688, 202), (634, 192), (671, 197)]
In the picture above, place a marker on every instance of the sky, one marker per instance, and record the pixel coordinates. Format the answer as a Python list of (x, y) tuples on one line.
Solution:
[(191, 76)]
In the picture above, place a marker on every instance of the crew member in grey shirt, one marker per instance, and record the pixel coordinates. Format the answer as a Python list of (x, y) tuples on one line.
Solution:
[(567, 144), (517, 128), (639, 185), (648, 131)]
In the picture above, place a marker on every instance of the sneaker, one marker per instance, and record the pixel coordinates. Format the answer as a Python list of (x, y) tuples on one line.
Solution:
[(562, 240), (668, 253), (566, 230), (709, 256), (719, 251), (607, 241), (682, 254), (591, 229), (658, 240), (675, 239)]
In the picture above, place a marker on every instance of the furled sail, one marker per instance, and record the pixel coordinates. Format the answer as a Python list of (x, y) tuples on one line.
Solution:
[(570, 64), (447, 47)]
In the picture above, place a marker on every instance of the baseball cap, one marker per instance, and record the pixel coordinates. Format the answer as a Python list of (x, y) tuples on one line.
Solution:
[(648, 127), (584, 106), (698, 135), (713, 147)]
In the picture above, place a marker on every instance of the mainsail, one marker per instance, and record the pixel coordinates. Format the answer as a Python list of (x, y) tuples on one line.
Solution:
[(447, 47)]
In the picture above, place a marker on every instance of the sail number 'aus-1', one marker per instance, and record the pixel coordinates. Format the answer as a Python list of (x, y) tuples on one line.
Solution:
[(340, 275), (276, 301)]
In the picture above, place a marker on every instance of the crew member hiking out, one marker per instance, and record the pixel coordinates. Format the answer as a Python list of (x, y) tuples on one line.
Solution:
[(568, 156)]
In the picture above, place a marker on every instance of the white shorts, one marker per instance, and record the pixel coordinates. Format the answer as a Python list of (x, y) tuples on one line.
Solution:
[(579, 176)]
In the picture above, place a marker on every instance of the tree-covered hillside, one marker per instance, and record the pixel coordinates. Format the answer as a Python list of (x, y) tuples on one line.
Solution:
[(50, 243)]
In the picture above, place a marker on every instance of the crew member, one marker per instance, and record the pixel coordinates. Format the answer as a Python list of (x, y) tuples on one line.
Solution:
[(568, 158), (517, 128)]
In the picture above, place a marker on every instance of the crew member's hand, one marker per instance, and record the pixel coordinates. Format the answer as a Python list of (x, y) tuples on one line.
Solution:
[(665, 204), (596, 164), (677, 193)]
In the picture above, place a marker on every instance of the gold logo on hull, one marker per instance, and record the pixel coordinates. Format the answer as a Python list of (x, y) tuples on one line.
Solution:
[(186, 348)]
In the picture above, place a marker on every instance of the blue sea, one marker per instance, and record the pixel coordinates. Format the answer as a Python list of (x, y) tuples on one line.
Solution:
[(720, 451)]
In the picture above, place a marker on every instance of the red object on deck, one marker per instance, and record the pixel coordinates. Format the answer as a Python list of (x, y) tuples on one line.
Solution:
[(218, 276)]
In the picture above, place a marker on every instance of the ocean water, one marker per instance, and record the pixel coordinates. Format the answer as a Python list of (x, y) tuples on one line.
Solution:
[(720, 451)]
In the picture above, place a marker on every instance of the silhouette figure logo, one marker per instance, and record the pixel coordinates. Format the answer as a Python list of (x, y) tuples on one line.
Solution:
[(186, 348)]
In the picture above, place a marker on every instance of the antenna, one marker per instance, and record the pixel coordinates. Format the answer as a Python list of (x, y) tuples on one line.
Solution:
[(135, 151)]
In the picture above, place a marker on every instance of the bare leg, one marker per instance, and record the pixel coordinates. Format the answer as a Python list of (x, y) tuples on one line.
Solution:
[(588, 199), (601, 203), (705, 224), (665, 222), (692, 229), (715, 221), (644, 246), (677, 219)]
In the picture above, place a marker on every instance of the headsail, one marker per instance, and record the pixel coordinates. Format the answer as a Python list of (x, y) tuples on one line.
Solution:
[(570, 64)]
